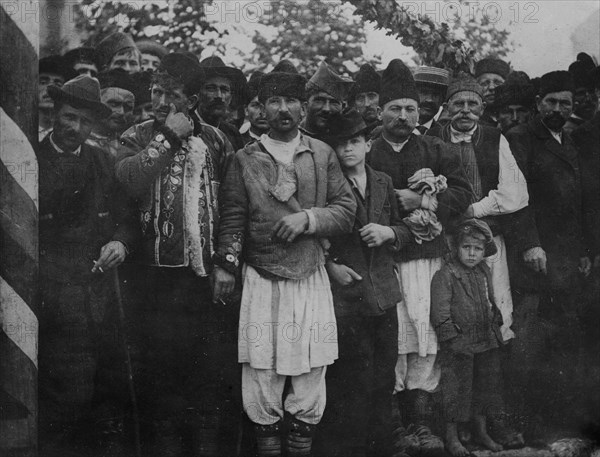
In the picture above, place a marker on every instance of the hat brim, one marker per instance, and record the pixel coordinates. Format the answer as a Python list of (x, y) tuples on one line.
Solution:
[(236, 76), (100, 109), (347, 135)]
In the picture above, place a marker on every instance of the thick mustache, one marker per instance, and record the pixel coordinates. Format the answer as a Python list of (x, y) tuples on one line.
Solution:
[(469, 116)]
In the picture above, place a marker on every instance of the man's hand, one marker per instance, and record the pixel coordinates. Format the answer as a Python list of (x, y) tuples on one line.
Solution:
[(408, 199), (289, 227), (469, 213), (180, 123), (535, 258), (342, 274), (375, 235), (112, 255), (222, 283), (585, 266)]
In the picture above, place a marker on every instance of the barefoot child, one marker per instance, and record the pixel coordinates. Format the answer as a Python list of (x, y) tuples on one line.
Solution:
[(467, 323), (365, 295)]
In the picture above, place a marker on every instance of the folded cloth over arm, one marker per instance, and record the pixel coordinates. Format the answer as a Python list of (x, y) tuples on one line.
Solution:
[(423, 222)]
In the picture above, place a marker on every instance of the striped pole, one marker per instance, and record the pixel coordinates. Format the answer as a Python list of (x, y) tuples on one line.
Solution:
[(19, 26)]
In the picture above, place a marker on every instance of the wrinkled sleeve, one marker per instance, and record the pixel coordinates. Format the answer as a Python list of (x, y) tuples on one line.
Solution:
[(441, 303), (233, 211), (511, 194), (338, 214)]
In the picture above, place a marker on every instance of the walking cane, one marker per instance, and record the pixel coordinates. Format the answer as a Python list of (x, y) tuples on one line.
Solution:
[(134, 405)]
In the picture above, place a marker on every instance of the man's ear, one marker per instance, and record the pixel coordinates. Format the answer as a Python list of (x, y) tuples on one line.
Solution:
[(445, 107), (379, 113), (368, 145), (192, 101), (303, 107)]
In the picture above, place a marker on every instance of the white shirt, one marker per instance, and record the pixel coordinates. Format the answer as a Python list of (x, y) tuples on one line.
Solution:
[(397, 147), (283, 151), (76, 152), (511, 194), (360, 182)]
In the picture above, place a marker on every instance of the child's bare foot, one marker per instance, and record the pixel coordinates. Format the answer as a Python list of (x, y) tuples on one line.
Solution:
[(456, 449), (453, 444), (481, 436), (488, 442)]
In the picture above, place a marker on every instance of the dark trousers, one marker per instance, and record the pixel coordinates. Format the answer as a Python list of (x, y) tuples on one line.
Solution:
[(77, 390), (470, 384), (358, 415), (184, 352)]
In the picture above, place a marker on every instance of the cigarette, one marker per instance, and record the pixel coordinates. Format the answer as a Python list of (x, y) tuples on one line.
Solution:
[(99, 268)]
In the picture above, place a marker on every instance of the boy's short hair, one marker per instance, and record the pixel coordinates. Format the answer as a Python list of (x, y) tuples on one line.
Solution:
[(127, 52)]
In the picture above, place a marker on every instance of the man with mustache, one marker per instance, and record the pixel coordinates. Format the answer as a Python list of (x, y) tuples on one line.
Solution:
[(499, 196), (432, 84), (490, 74), (547, 278), (282, 195), (364, 96), (173, 165), (85, 231), (255, 112), (221, 86), (117, 92), (514, 101), (585, 101), (401, 153), (326, 92)]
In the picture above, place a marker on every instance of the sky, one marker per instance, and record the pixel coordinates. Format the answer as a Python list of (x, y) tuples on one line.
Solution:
[(544, 31)]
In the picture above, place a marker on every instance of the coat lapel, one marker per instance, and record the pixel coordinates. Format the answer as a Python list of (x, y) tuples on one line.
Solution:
[(564, 151), (376, 195)]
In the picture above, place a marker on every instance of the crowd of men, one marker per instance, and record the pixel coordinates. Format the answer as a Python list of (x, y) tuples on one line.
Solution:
[(245, 267)]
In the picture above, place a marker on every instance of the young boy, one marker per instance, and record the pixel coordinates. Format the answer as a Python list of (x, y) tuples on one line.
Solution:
[(365, 294), (467, 323)]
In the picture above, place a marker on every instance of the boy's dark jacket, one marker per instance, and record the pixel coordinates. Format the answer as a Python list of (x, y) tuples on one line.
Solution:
[(458, 316), (379, 289)]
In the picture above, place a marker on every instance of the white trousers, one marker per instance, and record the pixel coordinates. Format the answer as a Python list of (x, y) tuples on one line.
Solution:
[(262, 393)]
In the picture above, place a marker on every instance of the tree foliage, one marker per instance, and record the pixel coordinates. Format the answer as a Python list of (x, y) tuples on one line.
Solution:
[(436, 44), (307, 33), (179, 24)]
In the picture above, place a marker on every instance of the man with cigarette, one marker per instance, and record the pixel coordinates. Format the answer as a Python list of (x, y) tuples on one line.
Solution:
[(84, 233)]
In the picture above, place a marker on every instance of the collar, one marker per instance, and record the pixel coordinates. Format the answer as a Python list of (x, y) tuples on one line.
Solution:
[(457, 137), (302, 146), (397, 147), (76, 152), (556, 135)]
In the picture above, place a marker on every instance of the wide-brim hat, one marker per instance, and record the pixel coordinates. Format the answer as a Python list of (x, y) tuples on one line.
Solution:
[(345, 124), (81, 92), (214, 66), (467, 226), (184, 69)]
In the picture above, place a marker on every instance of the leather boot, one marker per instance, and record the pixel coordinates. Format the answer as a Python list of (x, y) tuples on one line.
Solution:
[(299, 438), (268, 439)]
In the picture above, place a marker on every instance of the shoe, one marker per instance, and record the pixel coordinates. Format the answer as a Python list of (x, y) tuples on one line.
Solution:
[(430, 445)]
